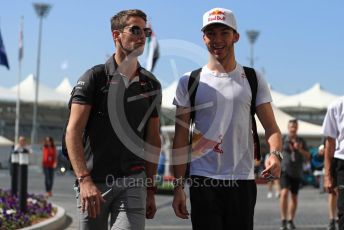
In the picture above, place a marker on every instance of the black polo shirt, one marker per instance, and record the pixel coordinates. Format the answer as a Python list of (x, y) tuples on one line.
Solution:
[(117, 133), (292, 163)]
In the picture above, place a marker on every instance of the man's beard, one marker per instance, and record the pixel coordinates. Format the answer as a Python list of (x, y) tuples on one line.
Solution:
[(133, 52)]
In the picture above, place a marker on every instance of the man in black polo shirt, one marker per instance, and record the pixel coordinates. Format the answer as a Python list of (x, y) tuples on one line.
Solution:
[(123, 132)]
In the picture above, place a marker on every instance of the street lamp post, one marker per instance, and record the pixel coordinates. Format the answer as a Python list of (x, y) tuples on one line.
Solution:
[(42, 10), (252, 37)]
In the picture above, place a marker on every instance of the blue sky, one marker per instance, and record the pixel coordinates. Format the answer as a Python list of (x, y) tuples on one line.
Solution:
[(300, 42)]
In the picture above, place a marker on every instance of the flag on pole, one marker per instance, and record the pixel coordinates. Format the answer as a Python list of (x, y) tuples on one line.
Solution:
[(153, 51), (21, 39), (3, 56)]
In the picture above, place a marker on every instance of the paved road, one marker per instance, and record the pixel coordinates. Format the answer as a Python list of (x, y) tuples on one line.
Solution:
[(312, 211)]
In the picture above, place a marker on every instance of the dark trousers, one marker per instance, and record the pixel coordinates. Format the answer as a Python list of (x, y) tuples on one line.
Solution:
[(49, 178), (338, 169), (222, 204)]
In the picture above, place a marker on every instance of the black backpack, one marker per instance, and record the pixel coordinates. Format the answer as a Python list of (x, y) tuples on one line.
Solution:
[(99, 107), (252, 80)]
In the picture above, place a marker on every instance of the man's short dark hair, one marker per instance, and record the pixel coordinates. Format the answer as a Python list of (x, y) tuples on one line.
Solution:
[(294, 121), (119, 21)]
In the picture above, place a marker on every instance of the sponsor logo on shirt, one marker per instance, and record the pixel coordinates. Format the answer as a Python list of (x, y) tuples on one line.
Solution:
[(218, 147), (82, 83)]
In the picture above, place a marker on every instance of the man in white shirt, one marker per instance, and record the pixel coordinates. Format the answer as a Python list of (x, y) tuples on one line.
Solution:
[(333, 130), (222, 190)]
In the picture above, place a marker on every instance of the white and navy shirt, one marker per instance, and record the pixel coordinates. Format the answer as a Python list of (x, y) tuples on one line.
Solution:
[(222, 115)]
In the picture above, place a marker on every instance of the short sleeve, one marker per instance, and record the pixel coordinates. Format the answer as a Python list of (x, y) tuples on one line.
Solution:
[(330, 128), (182, 96), (83, 90), (263, 92)]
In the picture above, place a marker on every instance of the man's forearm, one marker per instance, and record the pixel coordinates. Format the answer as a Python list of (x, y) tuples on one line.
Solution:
[(305, 153), (152, 157), (179, 170), (181, 148), (151, 169), (329, 154), (152, 153), (180, 157), (327, 164), (179, 166), (76, 152), (275, 140)]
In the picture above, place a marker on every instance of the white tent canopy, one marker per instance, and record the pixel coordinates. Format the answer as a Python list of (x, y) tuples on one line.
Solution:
[(315, 98), (64, 88), (45, 94), (282, 119), (168, 95), (277, 97), (5, 142)]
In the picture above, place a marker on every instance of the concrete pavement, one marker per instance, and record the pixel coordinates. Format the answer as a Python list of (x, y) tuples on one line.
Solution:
[(311, 214)]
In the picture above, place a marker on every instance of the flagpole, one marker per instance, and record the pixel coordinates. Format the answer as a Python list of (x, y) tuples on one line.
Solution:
[(20, 57), (42, 11), (16, 130)]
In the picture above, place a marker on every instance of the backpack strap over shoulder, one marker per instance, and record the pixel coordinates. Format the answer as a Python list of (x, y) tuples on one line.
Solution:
[(192, 89), (146, 73), (149, 78), (151, 83), (253, 82), (98, 71), (102, 82)]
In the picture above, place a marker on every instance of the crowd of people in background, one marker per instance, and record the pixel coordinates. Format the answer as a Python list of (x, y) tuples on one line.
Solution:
[(299, 168)]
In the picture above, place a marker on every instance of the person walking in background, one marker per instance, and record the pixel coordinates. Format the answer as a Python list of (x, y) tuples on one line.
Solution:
[(22, 146), (224, 193), (333, 130), (49, 162), (294, 154)]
